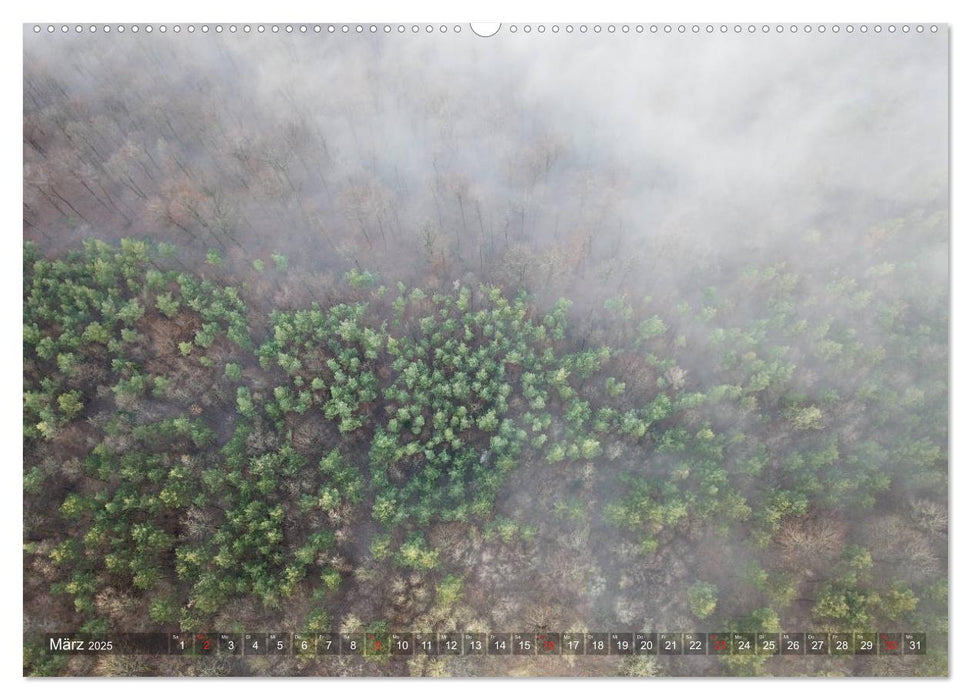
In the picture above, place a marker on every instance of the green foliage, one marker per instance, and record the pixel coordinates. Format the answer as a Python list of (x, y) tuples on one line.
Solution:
[(760, 620), (167, 304), (615, 388), (414, 554), (360, 279), (844, 609), (339, 340), (381, 547), (619, 306), (215, 473), (318, 620), (40, 662), (508, 531), (449, 591), (163, 609), (702, 599), (34, 481), (652, 327), (331, 579), (805, 417), (897, 602), (280, 261), (70, 404)]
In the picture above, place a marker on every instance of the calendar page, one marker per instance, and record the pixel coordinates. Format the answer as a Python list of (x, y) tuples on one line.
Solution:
[(485, 350)]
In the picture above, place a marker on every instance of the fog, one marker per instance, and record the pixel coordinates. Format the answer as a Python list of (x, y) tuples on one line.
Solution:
[(689, 149)]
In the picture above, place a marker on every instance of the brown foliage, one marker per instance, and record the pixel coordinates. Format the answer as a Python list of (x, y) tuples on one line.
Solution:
[(809, 543)]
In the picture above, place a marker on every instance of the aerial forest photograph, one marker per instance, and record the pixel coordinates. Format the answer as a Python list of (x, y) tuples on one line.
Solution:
[(607, 350)]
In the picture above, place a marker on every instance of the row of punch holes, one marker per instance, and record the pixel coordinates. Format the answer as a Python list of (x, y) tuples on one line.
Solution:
[(513, 28)]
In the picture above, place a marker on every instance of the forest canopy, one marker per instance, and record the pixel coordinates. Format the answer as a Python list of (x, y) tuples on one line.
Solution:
[(423, 332), (208, 455)]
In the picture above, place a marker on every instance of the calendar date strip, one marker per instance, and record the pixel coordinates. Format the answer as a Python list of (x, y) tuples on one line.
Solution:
[(368, 644)]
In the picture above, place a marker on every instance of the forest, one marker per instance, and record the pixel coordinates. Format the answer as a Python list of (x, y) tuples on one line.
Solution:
[(312, 343)]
